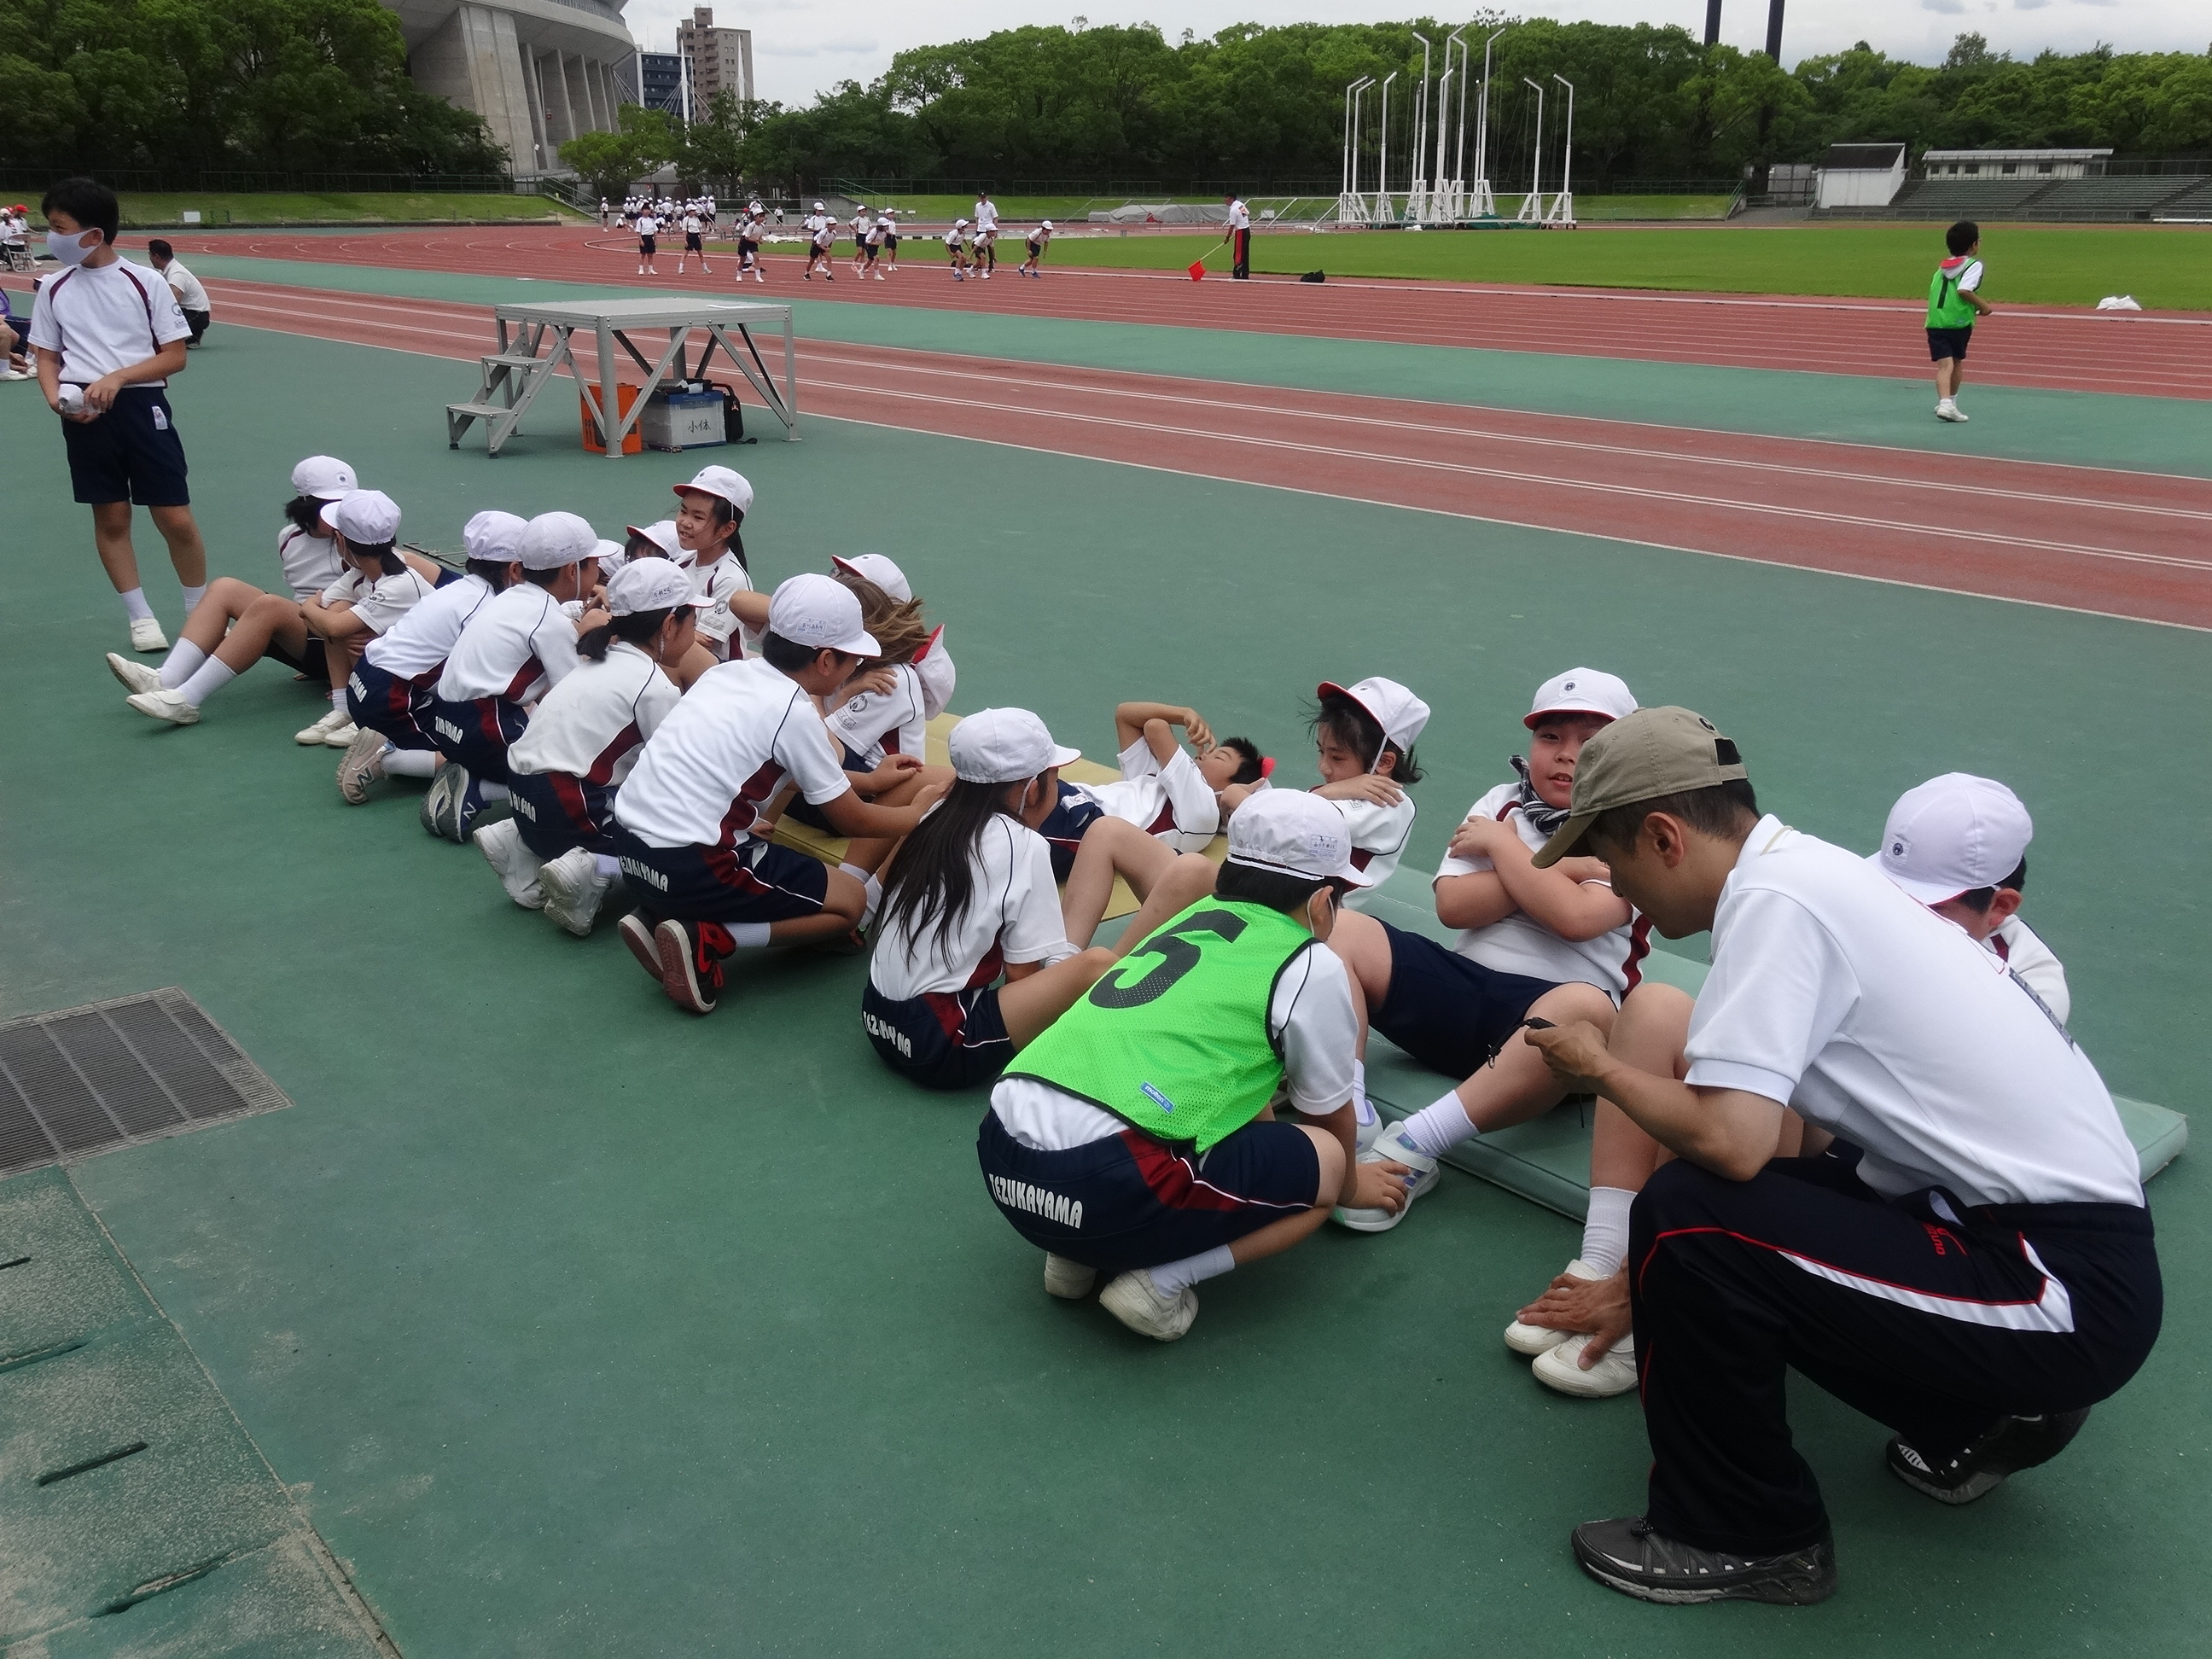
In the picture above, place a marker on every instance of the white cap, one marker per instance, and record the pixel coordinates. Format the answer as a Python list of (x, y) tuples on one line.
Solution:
[(662, 536), (1294, 834), (820, 614), (647, 585), (817, 207), (494, 535), (552, 540), (730, 486), (365, 518), (1005, 745), (1047, 224), (877, 567), (325, 477), (1582, 691), (609, 553), (1953, 834), (1400, 713), (958, 223)]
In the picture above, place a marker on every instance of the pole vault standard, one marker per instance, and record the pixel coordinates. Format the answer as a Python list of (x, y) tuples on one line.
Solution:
[(1384, 212), (1417, 196), (1351, 206), (1563, 204), (1484, 203), (1450, 188), (1532, 204)]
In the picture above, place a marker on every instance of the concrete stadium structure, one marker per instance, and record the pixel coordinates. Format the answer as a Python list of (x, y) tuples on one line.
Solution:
[(540, 72)]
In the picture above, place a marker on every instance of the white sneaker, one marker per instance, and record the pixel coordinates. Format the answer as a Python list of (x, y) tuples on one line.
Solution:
[(363, 766), (1071, 1281), (165, 705), (1560, 1368), (574, 890), (344, 737), (514, 863), (146, 634), (134, 676), (1948, 410), (1533, 1340), (1391, 1147), (1138, 1303), (313, 737)]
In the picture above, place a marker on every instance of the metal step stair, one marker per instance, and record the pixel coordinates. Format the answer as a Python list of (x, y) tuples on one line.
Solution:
[(512, 381)]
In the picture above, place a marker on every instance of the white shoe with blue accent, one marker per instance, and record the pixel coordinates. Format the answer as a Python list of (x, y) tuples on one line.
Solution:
[(1391, 1147)]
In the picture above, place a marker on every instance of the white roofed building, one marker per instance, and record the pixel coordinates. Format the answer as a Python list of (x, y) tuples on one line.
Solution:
[(540, 72)]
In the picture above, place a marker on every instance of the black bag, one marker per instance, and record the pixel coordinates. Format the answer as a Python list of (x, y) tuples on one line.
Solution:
[(733, 417), (1315, 276)]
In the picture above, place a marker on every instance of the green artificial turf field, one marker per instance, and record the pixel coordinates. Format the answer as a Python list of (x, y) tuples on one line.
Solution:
[(147, 210), (2165, 268)]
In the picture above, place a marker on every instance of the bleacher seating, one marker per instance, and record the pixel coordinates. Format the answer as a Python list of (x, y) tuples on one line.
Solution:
[(2190, 205), (2108, 198), (2117, 197)]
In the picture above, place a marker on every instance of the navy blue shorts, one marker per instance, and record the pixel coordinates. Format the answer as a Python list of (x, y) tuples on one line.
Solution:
[(559, 811), (1132, 1201), (756, 881), (1064, 825), (941, 1040), (1450, 1014), (806, 812), (475, 734), (131, 453), (1948, 343), (309, 662), (384, 702)]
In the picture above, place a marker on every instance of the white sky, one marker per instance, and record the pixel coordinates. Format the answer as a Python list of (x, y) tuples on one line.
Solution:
[(803, 46)]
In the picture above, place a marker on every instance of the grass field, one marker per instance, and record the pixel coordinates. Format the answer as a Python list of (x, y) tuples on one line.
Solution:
[(945, 209), (145, 212), (2165, 268)]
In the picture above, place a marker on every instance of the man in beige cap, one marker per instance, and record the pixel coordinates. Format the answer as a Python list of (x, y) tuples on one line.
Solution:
[(1965, 1255)]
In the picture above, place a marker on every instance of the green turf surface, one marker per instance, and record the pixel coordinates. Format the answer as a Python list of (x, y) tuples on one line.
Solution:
[(145, 209), (583, 1327), (2165, 268), (2151, 434)]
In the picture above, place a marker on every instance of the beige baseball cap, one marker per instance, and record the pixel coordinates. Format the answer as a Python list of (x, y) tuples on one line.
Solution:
[(1641, 757)]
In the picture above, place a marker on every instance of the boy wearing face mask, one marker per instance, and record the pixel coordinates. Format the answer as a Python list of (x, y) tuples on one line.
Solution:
[(109, 335)]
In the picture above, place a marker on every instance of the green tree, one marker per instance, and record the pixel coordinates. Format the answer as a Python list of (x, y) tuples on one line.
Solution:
[(714, 144), (610, 163)]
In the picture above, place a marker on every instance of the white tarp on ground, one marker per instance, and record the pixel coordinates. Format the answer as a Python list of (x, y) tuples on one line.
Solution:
[(1166, 213)]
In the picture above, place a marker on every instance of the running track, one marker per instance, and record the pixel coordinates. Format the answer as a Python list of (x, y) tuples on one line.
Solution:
[(2123, 543), (2052, 348)]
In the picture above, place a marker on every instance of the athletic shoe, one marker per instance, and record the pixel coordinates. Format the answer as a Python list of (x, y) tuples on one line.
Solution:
[(146, 634), (344, 737), (687, 980), (1561, 1369), (363, 766), (1628, 1556), (1533, 1340), (1133, 1299), (514, 863), (165, 705), (1069, 1280), (1948, 410), (637, 934), (445, 785), (134, 676), (574, 890), (312, 737), (471, 809), (2009, 1445), (1391, 1147)]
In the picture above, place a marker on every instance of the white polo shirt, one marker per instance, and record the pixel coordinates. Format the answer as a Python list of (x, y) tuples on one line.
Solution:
[(874, 723), (1872, 1017), (647, 225), (592, 723), (2036, 964), (1379, 834), (986, 215), (1171, 802), (1240, 216), (711, 587), (378, 601), (725, 750), (518, 645), (1519, 944), (417, 648), (311, 563), (1014, 918), (105, 318), (190, 296), (1309, 1018)]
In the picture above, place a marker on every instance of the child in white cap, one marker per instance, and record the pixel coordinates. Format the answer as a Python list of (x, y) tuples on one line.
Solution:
[(1364, 738), (518, 646), (304, 547), (956, 246), (582, 740), (691, 833), (1134, 1136), (709, 524), (888, 712), (1037, 242)]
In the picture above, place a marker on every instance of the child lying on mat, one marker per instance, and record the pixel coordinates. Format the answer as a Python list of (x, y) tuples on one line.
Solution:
[(1364, 740)]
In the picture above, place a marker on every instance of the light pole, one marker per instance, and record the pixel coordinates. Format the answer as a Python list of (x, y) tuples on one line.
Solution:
[(1417, 203), (1383, 210), (1486, 203), (1562, 205), (1454, 183), (1532, 204)]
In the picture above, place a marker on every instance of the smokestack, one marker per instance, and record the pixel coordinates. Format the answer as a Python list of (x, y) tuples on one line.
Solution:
[(1774, 30), (1712, 22)]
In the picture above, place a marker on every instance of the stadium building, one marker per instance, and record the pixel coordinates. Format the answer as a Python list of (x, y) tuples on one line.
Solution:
[(540, 72)]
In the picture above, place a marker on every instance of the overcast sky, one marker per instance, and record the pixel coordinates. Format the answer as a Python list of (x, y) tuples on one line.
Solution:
[(802, 47)]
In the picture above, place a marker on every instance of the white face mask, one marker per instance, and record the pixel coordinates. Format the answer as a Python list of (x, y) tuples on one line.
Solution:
[(69, 248)]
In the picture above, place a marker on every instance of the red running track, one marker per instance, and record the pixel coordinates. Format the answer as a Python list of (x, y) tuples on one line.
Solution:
[(2050, 348), (2122, 543)]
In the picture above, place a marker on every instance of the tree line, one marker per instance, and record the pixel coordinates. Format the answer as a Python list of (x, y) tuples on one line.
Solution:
[(1265, 108), (190, 85)]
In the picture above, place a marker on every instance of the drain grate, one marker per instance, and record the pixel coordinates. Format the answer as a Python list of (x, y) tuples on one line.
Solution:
[(86, 1081)]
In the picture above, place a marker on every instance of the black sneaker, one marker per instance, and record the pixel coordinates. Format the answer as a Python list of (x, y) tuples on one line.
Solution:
[(1628, 1556), (2012, 1444)]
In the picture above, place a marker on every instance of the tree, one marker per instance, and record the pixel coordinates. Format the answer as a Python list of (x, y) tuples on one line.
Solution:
[(610, 163), (714, 144)]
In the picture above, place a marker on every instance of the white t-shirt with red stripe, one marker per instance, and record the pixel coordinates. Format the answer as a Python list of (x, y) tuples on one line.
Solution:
[(417, 648), (378, 601), (727, 747), (1519, 944), (1013, 917), (593, 724), (518, 646), (1379, 834), (1170, 801), (106, 318), (874, 723), (311, 563)]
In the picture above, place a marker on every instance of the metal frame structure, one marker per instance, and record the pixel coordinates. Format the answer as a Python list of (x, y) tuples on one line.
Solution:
[(1532, 204), (1563, 204), (1351, 206)]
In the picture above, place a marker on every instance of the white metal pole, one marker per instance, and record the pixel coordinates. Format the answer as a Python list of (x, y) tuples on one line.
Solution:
[(1536, 166), (1444, 119), (1417, 206), (1382, 179), (1489, 203), (1564, 207)]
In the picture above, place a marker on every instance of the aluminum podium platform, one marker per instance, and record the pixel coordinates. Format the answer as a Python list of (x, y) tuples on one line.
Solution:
[(537, 340)]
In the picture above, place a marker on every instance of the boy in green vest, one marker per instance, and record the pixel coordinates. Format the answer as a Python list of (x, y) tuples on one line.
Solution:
[(1953, 305), (1136, 1136)]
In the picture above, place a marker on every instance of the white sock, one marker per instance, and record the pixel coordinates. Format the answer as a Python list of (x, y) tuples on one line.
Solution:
[(1604, 1232), (872, 889), (210, 678), (338, 700), (192, 598), (748, 935), (1437, 1128), (177, 667), (135, 605), (1363, 1109), (490, 791), (1178, 1276), (606, 866), (409, 763)]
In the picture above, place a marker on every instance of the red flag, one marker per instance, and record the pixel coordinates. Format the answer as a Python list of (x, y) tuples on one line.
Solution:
[(1198, 268)]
